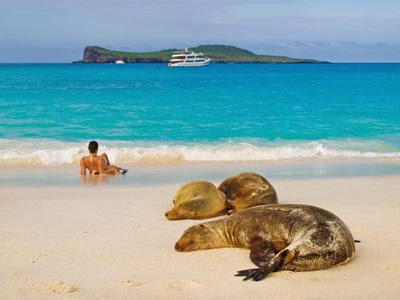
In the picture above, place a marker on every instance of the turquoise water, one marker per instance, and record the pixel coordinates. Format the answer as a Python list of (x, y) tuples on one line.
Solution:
[(152, 113)]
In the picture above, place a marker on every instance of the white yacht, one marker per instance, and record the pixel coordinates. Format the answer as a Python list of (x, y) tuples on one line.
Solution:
[(187, 58), (119, 62)]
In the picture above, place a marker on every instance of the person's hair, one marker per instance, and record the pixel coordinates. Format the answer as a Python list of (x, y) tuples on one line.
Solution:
[(93, 146)]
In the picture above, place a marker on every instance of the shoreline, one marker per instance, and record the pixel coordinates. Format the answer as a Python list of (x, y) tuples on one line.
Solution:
[(178, 173), (110, 242)]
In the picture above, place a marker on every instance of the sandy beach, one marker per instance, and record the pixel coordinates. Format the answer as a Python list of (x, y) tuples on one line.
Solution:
[(113, 242)]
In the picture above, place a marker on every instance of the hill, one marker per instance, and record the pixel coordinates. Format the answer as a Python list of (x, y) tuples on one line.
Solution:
[(218, 53)]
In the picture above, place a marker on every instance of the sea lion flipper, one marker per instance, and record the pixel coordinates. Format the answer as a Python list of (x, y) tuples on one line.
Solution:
[(261, 252), (255, 274), (230, 206), (274, 264), (249, 273)]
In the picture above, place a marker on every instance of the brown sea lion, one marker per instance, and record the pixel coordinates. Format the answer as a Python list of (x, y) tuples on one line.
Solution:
[(197, 200), (280, 237), (246, 190)]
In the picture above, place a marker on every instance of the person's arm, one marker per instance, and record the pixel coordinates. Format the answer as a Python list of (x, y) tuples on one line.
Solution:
[(83, 167), (101, 165), (106, 158), (104, 168)]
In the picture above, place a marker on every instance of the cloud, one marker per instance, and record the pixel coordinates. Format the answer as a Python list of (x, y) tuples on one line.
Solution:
[(209, 4), (282, 26), (339, 51)]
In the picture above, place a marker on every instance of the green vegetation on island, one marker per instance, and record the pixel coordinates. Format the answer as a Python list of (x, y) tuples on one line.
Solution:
[(218, 53)]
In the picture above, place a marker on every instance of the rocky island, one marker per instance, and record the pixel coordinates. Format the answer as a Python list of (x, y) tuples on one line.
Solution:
[(218, 53)]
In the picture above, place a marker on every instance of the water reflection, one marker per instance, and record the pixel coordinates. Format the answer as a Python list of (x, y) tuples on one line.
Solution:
[(95, 179)]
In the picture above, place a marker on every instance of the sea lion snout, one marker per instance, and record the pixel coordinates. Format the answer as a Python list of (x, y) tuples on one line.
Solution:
[(175, 214), (187, 241), (182, 246), (197, 237)]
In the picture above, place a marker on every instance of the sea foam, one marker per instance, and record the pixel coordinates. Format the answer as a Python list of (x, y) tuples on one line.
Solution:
[(52, 153)]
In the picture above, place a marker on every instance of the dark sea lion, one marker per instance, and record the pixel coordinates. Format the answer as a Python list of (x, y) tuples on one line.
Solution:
[(197, 200), (246, 190), (280, 237)]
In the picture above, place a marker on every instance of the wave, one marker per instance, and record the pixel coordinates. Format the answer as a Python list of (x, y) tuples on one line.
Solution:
[(52, 153)]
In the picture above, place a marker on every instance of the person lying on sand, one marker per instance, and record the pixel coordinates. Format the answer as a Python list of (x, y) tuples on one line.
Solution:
[(98, 164)]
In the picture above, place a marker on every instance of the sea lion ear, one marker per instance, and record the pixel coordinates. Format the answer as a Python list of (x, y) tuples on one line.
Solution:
[(201, 225)]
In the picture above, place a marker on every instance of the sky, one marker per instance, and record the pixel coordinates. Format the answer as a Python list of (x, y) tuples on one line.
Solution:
[(334, 30)]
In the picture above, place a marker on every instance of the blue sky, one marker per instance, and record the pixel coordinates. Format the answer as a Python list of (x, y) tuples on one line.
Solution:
[(335, 30)]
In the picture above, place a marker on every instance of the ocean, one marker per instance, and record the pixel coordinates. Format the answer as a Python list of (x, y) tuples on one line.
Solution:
[(150, 114)]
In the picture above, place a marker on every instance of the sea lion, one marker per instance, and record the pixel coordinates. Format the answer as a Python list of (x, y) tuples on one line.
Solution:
[(280, 237), (197, 200), (246, 190)]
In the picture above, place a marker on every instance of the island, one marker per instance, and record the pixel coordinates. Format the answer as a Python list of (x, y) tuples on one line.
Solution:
[(218, 53)]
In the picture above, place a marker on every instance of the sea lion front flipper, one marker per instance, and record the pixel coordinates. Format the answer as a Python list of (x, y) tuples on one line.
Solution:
[(275, 264), (255, 274), (261, 252)]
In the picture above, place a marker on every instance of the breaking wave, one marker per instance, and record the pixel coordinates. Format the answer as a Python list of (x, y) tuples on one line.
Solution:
[(53, 153)]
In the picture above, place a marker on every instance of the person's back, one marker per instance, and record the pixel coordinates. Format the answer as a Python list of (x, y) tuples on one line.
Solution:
[(98, 164), (92, 162)]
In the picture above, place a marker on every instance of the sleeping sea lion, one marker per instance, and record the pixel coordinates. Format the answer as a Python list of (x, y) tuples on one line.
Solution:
[(280, 237), (197, 200), (246, 190)]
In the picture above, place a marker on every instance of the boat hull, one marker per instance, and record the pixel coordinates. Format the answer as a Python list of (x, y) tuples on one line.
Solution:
[(190, 64)]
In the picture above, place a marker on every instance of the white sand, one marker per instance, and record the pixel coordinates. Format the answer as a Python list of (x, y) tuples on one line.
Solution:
[(110, 242)]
